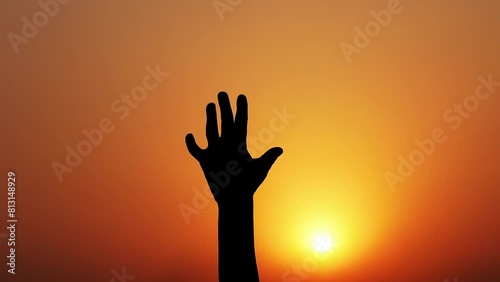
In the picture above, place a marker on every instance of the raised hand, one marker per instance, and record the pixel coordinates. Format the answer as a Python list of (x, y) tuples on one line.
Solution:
[(233, 175)]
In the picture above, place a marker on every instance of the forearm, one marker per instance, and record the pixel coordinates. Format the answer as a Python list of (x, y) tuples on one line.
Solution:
[(237, 260)]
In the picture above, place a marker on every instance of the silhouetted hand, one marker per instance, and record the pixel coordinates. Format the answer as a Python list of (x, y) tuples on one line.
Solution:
[(233, 175)]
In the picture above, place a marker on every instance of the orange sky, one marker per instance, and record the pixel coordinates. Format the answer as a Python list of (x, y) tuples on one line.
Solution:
[(353, 117)]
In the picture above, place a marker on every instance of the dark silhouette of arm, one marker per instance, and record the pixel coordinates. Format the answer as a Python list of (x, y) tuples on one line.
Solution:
[(233, 176), (237, 260)]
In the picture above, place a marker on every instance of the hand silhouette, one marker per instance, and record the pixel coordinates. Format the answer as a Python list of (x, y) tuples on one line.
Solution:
[(233, 175)]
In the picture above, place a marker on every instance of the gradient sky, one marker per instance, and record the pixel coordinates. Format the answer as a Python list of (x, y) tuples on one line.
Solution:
[(120, 206)]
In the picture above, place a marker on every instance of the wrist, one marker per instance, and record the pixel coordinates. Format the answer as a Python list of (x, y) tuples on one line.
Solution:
[(236, 205)]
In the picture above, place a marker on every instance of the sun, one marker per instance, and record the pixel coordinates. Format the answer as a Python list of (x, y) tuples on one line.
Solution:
[(323, 243)]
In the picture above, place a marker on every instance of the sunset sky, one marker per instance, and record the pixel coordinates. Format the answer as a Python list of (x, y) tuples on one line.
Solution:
[(420, 85)]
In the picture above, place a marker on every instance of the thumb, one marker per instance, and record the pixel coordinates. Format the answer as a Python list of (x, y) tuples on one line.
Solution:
[(267, 160), (193, 148)]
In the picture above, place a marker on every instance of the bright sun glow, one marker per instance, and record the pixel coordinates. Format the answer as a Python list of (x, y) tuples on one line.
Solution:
[(323, 243)]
